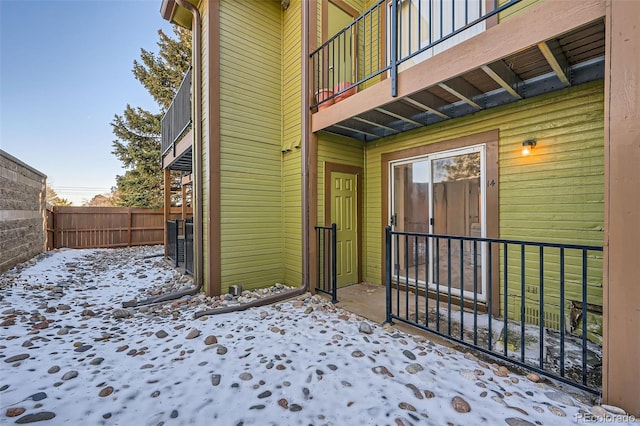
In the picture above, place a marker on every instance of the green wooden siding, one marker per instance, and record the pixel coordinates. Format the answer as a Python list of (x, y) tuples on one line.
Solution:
[(251, 139), (553, 195), (291, 142), (334, 149)]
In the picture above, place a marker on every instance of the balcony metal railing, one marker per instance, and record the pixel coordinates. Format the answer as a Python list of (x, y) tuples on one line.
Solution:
[(177, 119), (387, 35), (548, 299)]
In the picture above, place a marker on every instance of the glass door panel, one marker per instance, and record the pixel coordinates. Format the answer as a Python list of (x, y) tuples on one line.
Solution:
[(457, 211), (439, 194), (411, 201)]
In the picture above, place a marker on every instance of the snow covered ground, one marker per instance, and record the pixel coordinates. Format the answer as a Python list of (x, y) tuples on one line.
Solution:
[(69, 354)]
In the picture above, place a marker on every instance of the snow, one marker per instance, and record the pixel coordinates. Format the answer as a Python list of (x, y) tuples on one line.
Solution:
[(306, 366)]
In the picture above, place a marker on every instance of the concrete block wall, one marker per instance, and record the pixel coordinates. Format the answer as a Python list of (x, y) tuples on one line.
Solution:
[(22, 211)]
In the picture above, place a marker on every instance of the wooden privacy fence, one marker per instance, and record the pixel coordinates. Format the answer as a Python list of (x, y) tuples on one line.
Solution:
[(96, 227)]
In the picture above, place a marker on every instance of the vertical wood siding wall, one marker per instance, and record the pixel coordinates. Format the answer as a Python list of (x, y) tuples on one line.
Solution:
[(250, 147)]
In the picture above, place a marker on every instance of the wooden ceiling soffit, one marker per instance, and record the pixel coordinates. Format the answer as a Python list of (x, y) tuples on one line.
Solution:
[(461, 89), (557, 60), (504, 76)]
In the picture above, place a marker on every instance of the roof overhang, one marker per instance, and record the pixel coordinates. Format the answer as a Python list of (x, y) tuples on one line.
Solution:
[(174, 13)]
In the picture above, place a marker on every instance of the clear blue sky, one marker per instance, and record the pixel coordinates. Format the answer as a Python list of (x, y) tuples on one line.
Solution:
[(65, 70)]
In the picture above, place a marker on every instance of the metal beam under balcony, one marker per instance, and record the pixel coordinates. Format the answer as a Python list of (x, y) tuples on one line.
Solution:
[(548, 47)]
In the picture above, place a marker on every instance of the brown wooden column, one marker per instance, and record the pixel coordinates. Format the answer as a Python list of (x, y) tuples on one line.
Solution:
[(621, 345)]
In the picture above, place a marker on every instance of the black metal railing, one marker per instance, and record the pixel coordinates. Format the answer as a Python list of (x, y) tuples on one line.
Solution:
[(177, 119), (533, 304), (172, 241), (327, 280), (188, 246), (388, 34)]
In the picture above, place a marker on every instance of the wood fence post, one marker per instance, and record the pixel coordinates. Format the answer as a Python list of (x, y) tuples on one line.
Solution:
[(129, 226)]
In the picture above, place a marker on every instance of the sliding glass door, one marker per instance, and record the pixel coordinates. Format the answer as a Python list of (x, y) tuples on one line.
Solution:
[(440, 194)]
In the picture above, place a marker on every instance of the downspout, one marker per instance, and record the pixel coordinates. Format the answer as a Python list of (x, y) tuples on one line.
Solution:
[(305, 186), (196, 34)]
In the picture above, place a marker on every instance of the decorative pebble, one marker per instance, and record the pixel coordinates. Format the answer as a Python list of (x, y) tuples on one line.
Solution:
[(54, 369), (70, 375), (517, 421), (460, 405), (365, 328), (193, 333), (210, 340), (264, 394), (246, 376), (38, 396), (17, 358), (533, 377), (283, 403), (382, 370), (106, 391), (557, 411), (161, 334), (409, 354), (215, 379), (357, 354), (14, 411), (414, 368), (36, 417), (406, 406)]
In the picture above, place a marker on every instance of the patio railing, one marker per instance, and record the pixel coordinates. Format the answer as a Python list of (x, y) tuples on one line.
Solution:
[(389, 34), (188, 246), (180, 243), (172, 241), (533, 304), (177, 119), (327, 254)]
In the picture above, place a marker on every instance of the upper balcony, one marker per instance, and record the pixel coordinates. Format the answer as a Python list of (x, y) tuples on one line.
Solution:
[(405, 64), (176, 130)]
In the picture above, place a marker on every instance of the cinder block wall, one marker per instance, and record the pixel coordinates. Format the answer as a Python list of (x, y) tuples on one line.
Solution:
[(22, 211)]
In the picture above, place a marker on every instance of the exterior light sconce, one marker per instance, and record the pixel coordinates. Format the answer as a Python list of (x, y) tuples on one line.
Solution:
[(527, 146)]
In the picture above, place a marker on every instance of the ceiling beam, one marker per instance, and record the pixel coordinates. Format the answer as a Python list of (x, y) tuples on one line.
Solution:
[(354, 130), (398, 116), (427, 102), (372, 123), (504, 76), (558, 61), (462, 90)]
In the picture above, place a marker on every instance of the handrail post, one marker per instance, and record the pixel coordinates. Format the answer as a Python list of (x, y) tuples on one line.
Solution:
[(334, 258), (394, 48), (387, 279)]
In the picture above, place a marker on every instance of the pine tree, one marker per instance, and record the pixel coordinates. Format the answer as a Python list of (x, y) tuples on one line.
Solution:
[(54, 199), (138, 131)]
